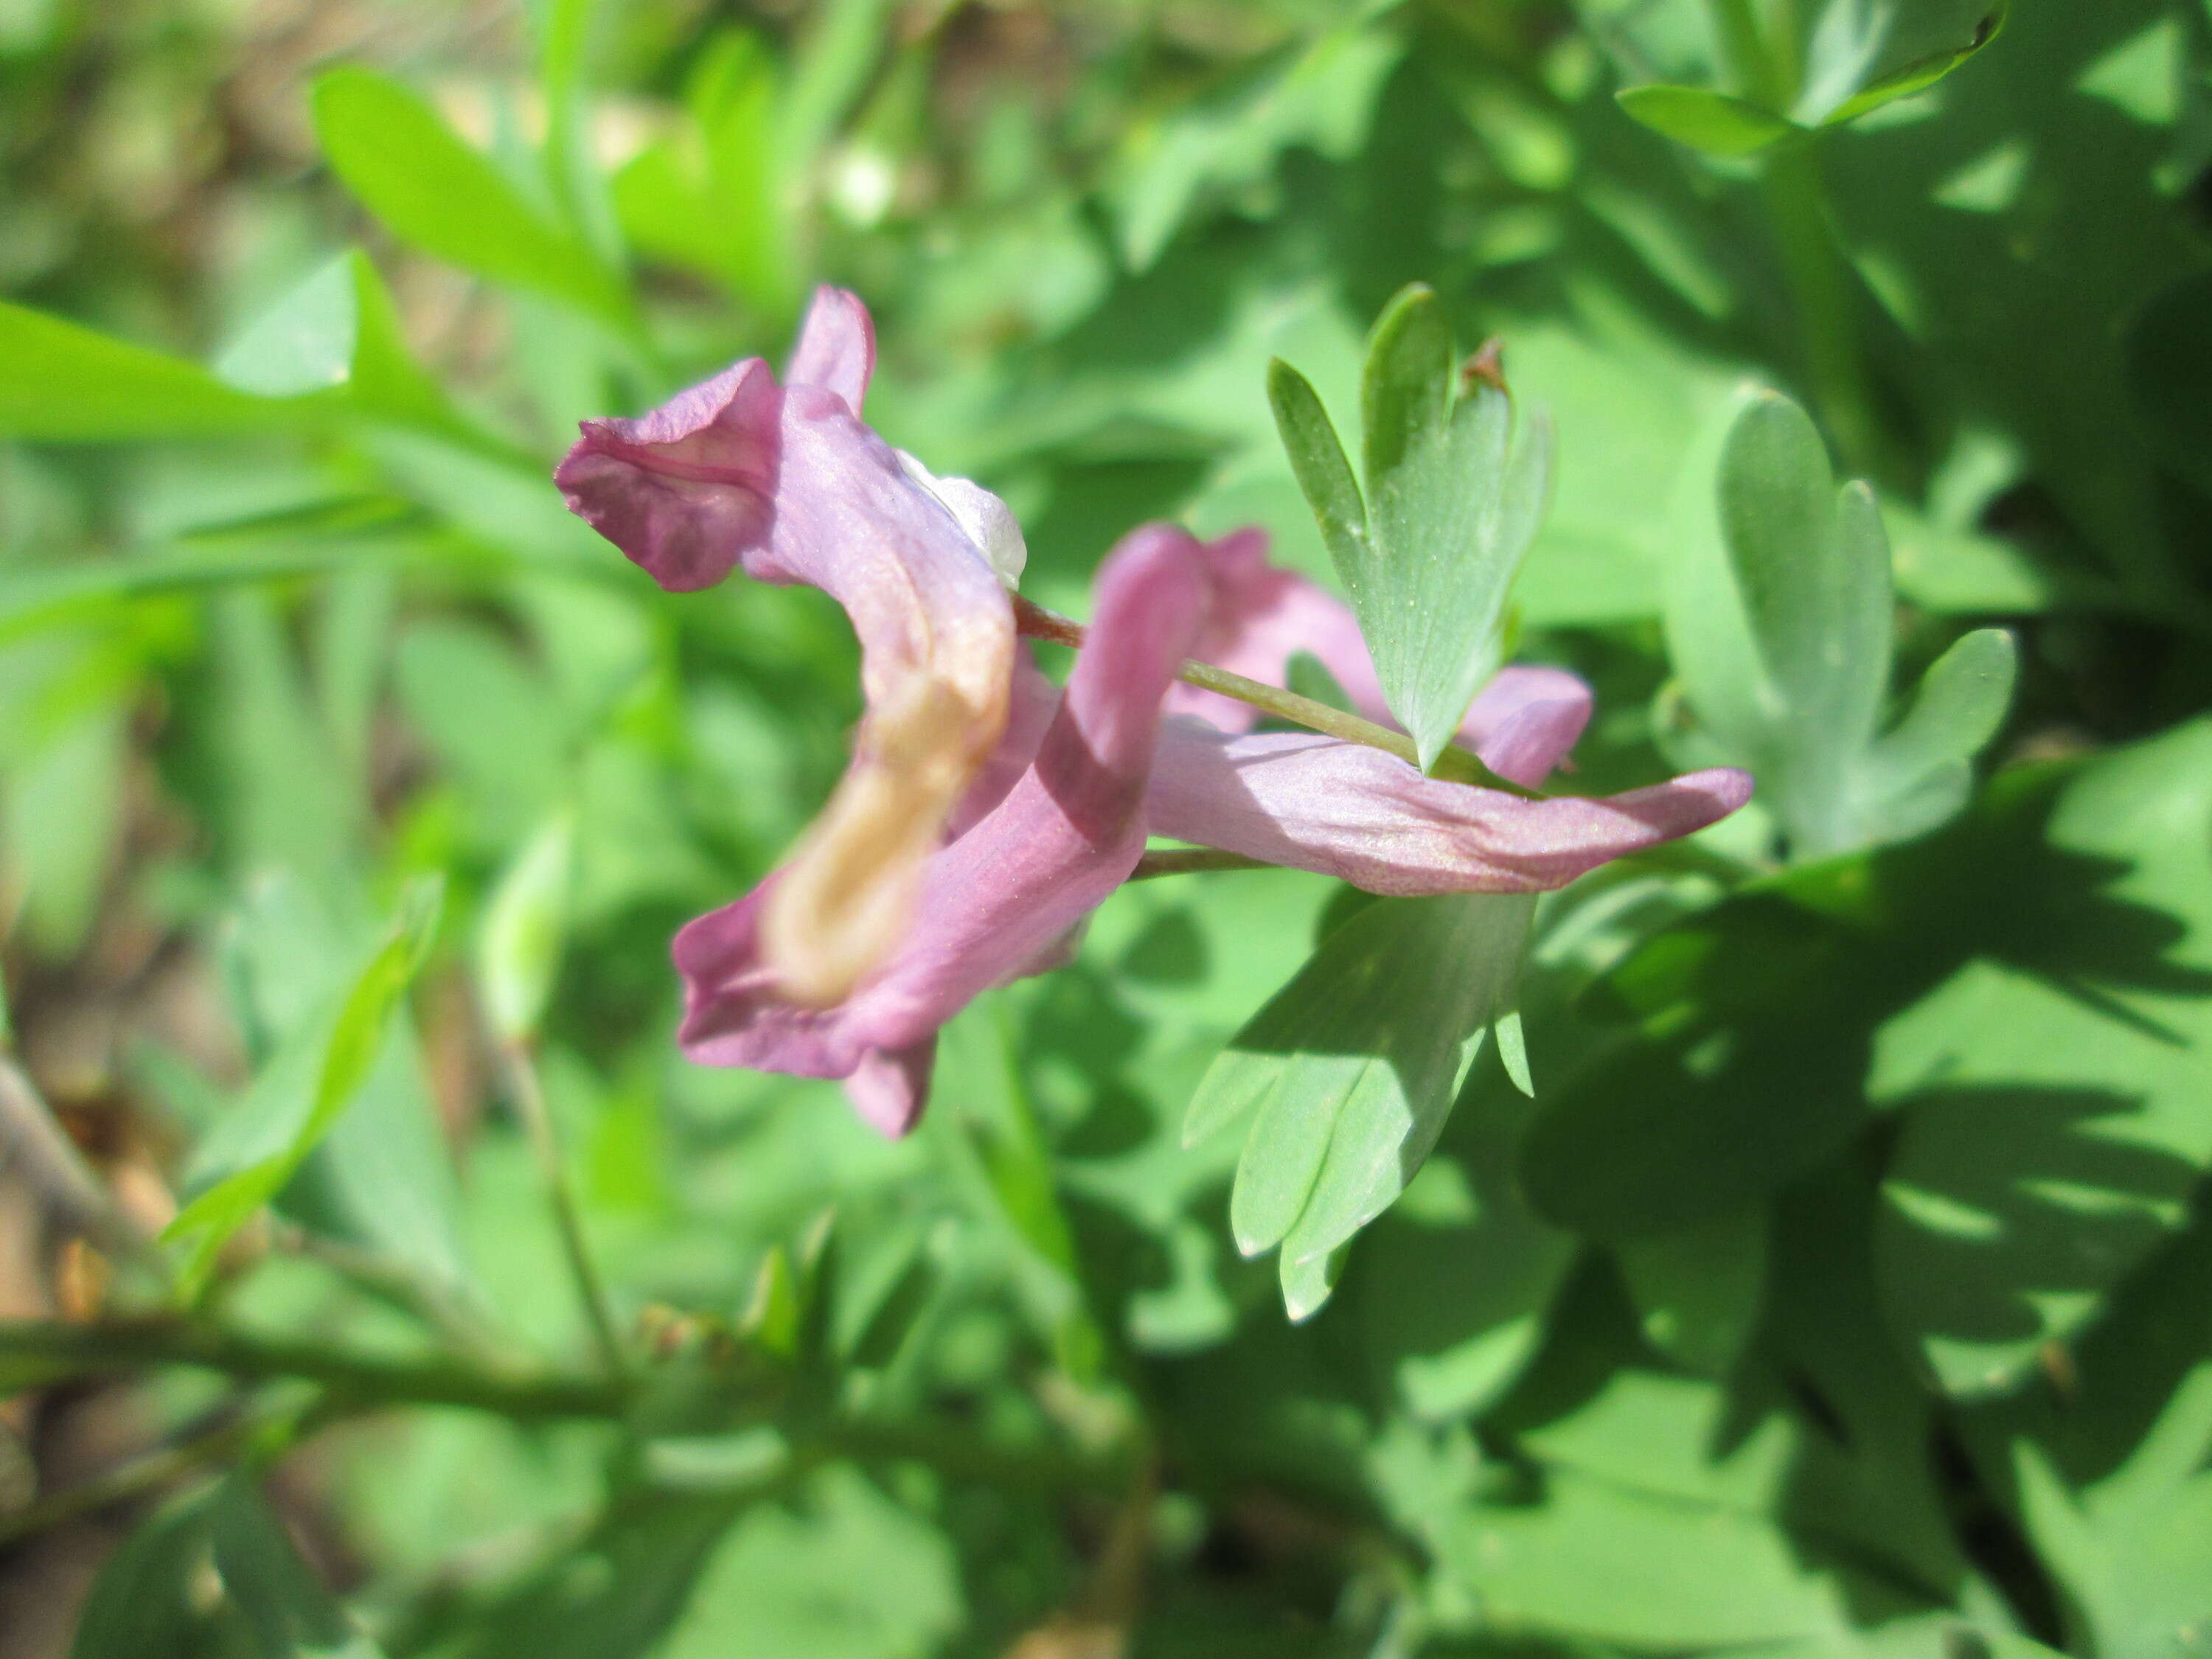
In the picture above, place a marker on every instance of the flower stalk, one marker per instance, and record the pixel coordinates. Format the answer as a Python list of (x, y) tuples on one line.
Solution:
[(1457, 765)]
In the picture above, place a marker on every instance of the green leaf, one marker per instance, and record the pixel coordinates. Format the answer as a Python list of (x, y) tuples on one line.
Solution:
[(1921, 770), (290, 1613), (301, 1096), (59, 381), (1457, 1279), (1322, 96), (1697, 1288), (1817, 1431), (1453, 501), (2109, 1478), (1594, 1561), (1920, 72), (2055, 1121), (1350, 1072), (432, 190), (524, 926), (1812, 569), (2027, 993), (143, 1604), (1779, 624), (1714, 123), (338, 328), (1317, 458), (845, 1574)]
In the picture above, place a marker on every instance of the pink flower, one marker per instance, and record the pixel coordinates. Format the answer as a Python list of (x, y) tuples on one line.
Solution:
[(986, 813), (1037, 846), (784, 482)]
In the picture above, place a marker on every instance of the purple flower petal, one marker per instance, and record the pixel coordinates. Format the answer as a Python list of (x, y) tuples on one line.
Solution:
[(836, 348), (998, 902), (1522, 723), (787, 483), (1369, 818)]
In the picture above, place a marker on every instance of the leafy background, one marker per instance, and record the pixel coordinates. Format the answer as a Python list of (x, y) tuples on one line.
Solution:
[(1846, 1286)]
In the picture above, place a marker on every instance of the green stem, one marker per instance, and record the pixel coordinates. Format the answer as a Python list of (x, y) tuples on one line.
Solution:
[(1824, 297), (591, 1288), (41, 1351), (1193, 861), (1455, 765), (1821, 289)]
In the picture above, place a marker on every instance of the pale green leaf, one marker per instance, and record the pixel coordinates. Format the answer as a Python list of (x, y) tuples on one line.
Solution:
[(1350, 1072), (519, 949)]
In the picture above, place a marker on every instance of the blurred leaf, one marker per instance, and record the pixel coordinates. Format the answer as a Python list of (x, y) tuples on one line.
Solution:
[(987, 1125), (432, 190), (1351, 1070), (715, 197), (487, 713), (291, 1615), (519, 947), (286, 806), (1713, 122), (338, 328), (1697, 1290), (1321, 95), (843, 1573), (145, 1604), (297, 1100), (1914, 36), (614, 1594), (60, 381), (62, 812), (2169, 369)]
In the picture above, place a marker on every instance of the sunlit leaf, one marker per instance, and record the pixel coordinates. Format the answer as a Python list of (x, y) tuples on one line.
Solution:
[(59, 381), (1350, 1072)]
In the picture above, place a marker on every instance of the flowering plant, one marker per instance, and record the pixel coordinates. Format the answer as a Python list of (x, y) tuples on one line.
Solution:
[(1128, 953)]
